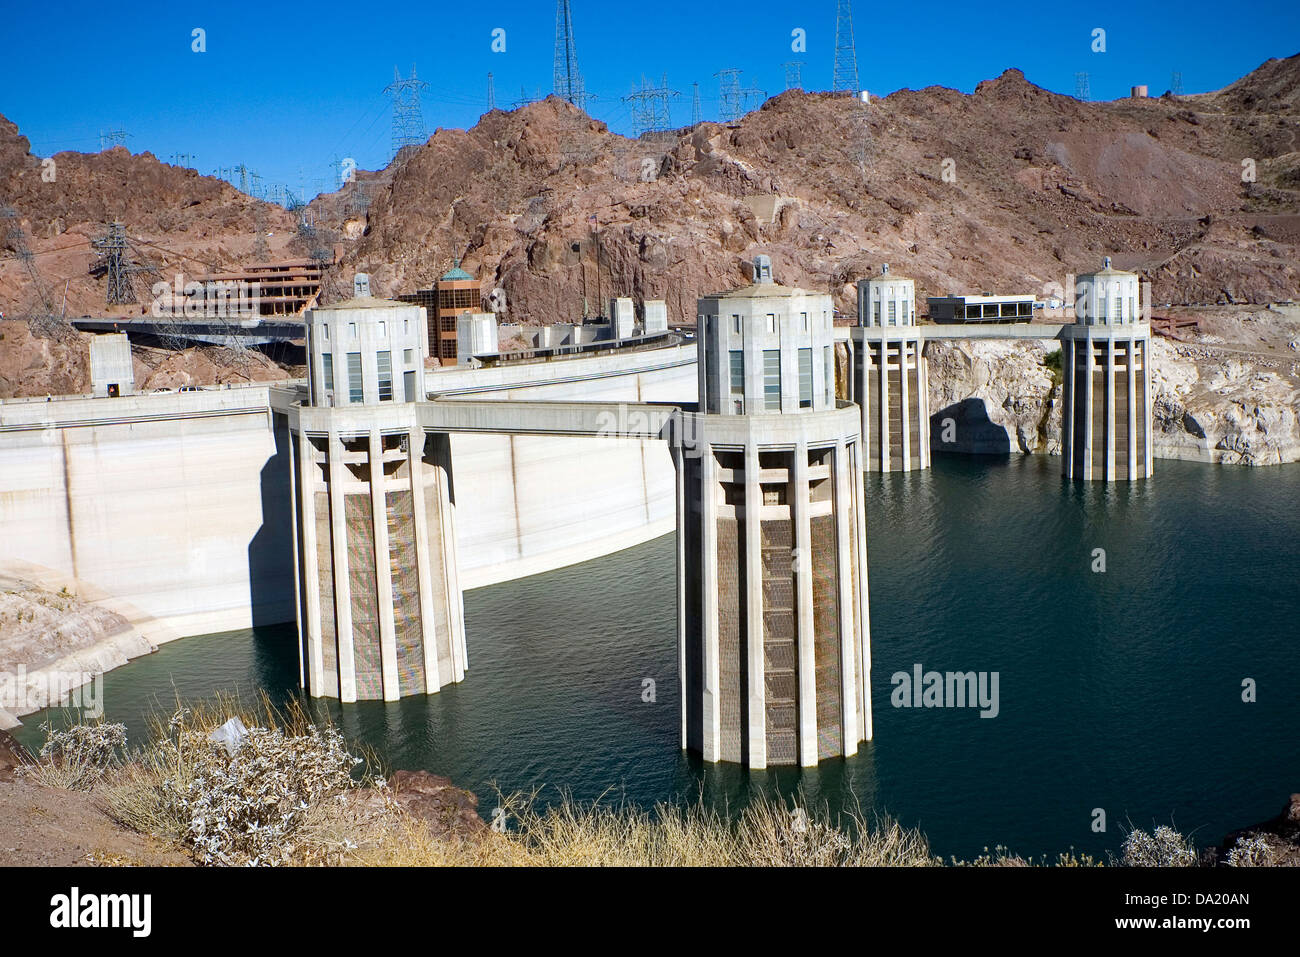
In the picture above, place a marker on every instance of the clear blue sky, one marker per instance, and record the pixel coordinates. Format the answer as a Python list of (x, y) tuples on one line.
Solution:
[(285, 88)]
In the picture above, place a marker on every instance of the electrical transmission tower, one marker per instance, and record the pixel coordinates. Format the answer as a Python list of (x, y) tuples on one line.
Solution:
[(736, 100), (568, 79), (695, 104), (1082, 91), (492, 95), (650, 114), (846, 58), (793, 77), (244, 173), (116, 263), (1176, 83), (408, 118), (110, 138), (729, 94), (185, 160)]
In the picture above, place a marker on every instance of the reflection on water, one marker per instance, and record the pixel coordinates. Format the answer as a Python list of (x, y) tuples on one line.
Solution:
[(1118, 690)]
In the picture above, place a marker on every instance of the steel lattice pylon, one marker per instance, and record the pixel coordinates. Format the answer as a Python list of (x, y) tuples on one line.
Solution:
[(112, 248), (408, 118), (846, 58), (650, 113), (568, 79)]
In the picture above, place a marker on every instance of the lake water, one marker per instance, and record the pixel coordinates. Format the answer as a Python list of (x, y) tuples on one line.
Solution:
[(1120, 690)]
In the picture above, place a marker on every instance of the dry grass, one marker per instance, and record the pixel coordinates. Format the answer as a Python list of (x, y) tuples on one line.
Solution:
[(570, 834)]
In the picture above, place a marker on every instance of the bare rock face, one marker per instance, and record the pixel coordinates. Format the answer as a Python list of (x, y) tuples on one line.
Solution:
[(1211, 406), (1000, 397), (445, 809)]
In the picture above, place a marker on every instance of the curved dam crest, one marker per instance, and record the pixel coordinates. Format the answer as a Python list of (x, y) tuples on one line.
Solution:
[(179, 503)]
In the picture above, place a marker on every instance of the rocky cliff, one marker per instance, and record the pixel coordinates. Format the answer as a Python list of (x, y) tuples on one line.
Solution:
[(1213, 400)]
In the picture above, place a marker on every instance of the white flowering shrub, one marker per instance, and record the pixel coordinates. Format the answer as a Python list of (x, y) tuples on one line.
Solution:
[(78, 757), (1254, 851), (244, 808), (1163, 847)]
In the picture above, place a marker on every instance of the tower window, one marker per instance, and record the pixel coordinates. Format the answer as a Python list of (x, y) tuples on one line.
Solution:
[(805, 379), (327, 362), (772, 380), (738, 380), (384, 362), (356, 391)]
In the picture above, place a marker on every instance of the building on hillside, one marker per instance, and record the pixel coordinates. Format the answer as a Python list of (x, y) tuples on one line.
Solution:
[(455, 292)]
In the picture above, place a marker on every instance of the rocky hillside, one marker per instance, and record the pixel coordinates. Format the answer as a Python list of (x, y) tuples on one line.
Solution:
[(182, 221), (1008, 188), (1038, 185)]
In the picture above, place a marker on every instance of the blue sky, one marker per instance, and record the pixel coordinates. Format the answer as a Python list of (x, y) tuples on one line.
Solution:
[(286, 88)]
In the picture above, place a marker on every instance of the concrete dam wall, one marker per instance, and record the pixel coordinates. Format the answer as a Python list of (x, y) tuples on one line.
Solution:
[(180, 503)]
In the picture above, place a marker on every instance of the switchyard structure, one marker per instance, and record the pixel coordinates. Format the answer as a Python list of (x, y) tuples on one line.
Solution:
[(774, 637), (1106, 363), (378, 598), (889, 378)]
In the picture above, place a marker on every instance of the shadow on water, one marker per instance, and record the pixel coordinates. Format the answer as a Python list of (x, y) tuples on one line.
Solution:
[(1118, 689)]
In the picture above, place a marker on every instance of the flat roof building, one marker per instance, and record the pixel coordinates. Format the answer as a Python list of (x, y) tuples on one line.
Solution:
[(1014, 308)]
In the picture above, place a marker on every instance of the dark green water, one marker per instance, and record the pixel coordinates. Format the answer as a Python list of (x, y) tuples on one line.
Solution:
[(1119, 690)]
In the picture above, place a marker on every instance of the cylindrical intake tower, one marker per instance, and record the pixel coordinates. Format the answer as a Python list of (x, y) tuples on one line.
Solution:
[(889, 378), (379, 603), (774, 635), (1106, 363)]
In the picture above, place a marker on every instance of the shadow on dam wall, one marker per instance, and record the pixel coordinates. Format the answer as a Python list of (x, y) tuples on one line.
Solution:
[(270, 551), (967, 426)]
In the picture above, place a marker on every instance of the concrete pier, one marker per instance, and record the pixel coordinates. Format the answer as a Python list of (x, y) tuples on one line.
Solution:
[(774, 635), (1106, 364)]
